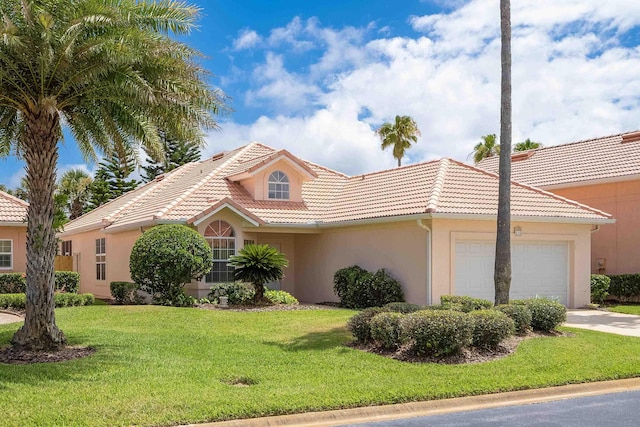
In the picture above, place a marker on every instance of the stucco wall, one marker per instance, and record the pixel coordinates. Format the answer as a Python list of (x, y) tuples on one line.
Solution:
[(19, 237), (619, 243), (258, 185), (445, 232), (401, 248)]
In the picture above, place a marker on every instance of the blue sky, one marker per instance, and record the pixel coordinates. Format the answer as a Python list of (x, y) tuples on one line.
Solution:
[(318, 77)]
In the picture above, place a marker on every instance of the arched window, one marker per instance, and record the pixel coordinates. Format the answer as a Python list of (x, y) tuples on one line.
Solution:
[(222, 240), (278, 186)]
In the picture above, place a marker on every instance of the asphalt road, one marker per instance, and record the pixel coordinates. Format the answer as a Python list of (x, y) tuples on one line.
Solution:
[(609, 410)]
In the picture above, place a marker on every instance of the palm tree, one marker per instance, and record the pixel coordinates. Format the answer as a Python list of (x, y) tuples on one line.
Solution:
[(488, 147), (112, 73), (502, 270), (74, 185), (258, 264), (399, 135), (527, 144)]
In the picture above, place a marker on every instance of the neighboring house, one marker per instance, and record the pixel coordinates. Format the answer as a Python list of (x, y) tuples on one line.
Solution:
[(13, 234), (603, 173), (431, 225)]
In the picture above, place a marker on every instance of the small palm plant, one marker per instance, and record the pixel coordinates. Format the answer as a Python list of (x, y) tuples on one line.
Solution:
[(258, 264)]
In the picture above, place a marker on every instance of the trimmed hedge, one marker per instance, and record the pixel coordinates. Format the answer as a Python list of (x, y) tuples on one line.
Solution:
[(599, 288), (625, 286), (467, 304), (385, 329), (402, 307), (520, 314), (280, 297), (18, 301), (360, 324), (437, 333), (125, 293), (546, 314), (359, 288), (15, 283), (490, 327)]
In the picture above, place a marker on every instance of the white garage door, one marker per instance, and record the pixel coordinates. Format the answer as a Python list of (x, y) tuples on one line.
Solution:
[(538, 268)]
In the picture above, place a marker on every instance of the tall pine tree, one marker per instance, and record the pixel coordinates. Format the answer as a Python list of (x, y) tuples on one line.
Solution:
[(176, 155), (111, 178)]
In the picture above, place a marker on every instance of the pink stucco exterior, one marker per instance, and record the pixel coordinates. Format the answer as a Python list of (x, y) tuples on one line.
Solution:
[(18, 237), (616, 245)]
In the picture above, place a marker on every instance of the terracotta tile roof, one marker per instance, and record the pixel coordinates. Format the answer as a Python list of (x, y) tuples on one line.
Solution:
[(438, 187), (12, 209), (605, 158)]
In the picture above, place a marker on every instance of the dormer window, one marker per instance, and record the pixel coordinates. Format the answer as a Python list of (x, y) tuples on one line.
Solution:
[(278, 186)]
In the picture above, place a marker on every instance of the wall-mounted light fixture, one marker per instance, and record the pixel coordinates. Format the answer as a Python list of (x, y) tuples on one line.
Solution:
[(517, 230), (602, 265)]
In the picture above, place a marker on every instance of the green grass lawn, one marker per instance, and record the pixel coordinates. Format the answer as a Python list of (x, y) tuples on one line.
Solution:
[(161, 366), (627, 309)]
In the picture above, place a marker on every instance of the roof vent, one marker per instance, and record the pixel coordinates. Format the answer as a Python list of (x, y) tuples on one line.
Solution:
[(217, 156), (523, 155), (631, 137)]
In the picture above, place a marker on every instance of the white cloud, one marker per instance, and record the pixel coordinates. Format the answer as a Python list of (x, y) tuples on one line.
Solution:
[(572, 79), (247, 39)]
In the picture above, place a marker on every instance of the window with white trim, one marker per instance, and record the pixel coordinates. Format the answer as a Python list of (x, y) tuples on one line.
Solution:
[(279, 186), (222, 239), (101, 259), (66, 248), (6, 254)]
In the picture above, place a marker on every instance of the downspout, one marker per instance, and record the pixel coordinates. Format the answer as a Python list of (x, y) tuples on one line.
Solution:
[(429, 258)]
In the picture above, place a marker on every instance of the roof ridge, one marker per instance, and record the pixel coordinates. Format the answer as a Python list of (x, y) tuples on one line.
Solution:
[(13, 198), (396, 169), (438, 184), (200, 183), (582, 141), (161, 184), (325, 168), (538, 190)]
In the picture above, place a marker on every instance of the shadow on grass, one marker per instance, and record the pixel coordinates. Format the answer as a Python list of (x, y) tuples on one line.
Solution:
[(333, 338)]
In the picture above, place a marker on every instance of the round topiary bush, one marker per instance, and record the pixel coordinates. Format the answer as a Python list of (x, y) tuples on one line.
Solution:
[(167, 257), (385, 329), (490, 328), (358, 288), (402, 307), (520, 314), (546, 314), (360, 324), (436, 332)]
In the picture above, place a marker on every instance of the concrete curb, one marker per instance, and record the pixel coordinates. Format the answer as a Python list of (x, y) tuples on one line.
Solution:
[(434, 407)]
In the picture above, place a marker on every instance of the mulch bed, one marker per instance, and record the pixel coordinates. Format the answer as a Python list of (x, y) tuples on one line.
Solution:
[(10, 356), (465, 356)]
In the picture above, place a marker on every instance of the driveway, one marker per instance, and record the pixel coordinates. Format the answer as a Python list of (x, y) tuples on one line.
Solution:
[(604, 321), (9, 318)]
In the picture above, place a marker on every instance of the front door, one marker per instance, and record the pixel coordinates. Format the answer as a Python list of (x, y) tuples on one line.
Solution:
[(274, 286)]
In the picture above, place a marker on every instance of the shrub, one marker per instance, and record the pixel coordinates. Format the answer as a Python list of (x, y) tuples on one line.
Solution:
[(599, 288), (165, 258), (237, 293), (401, 307), (12, 283), (125, 293), (18, 301), (358, 288), (385, 329), (258, 264), (280, 297), (348, 286), (468, 303), (625, 286), (546, 314), (67, 281), (520, 314), (490, 327), (436, 332), (360, 324)]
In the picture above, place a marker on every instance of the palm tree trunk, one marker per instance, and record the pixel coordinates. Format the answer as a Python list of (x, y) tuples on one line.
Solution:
[(399, 162), (502, 272), (39, 331), (76, 209)]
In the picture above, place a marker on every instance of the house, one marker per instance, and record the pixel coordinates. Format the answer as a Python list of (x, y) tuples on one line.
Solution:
[(431, 225), (13, 234), (603, 173)]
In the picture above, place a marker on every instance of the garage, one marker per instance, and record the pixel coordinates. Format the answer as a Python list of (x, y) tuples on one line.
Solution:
[(539, 268)]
